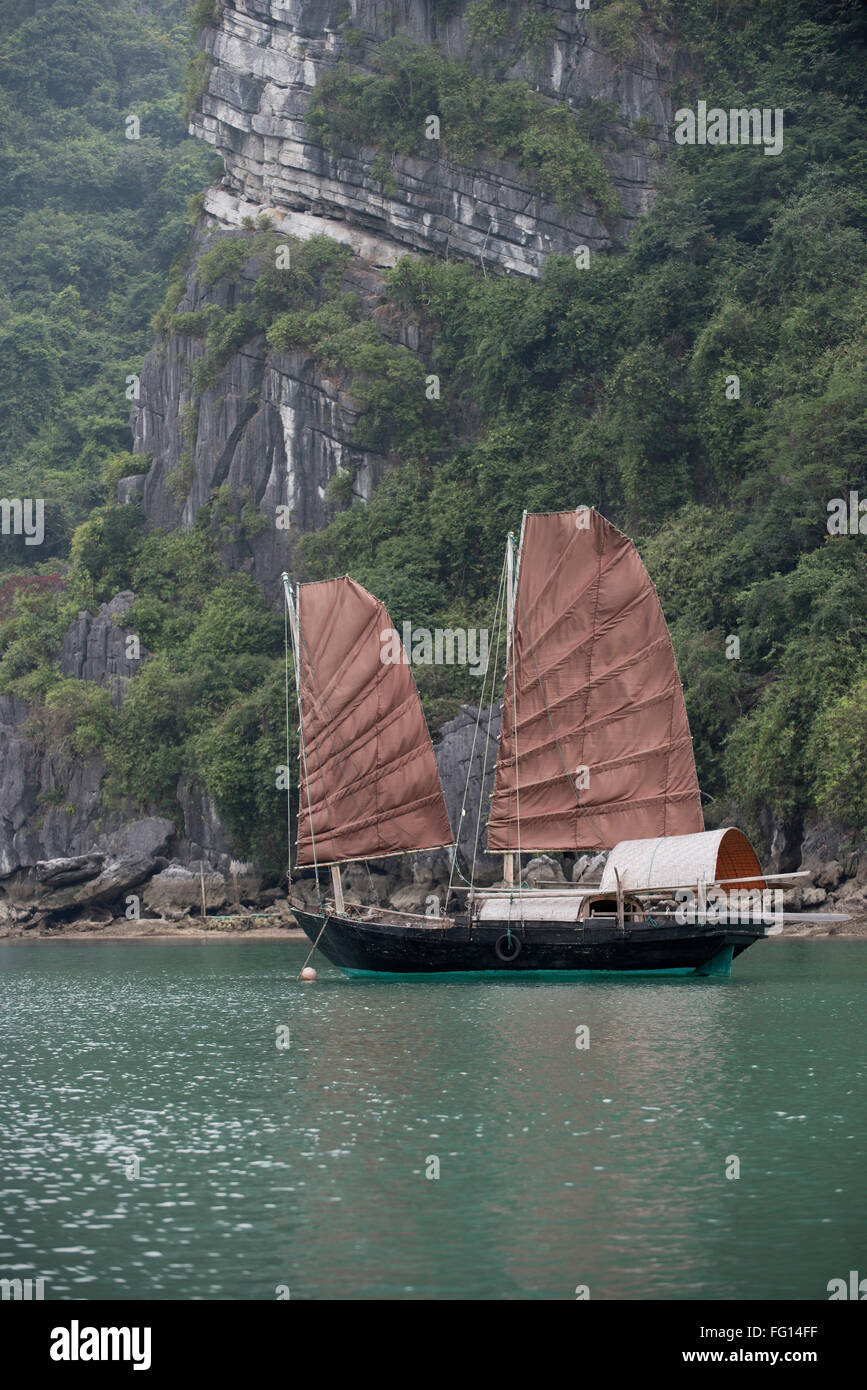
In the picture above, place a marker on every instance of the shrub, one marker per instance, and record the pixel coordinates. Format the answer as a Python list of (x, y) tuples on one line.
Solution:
[(387, 109), (222, 262), (75, 721), (198, 76), (837, 750)]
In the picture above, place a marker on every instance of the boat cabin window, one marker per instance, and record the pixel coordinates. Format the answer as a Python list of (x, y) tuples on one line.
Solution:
[(607, 907), (602, 907)]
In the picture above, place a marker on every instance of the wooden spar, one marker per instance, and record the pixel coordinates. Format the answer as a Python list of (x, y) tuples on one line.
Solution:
[(621, 920), (769, 880), (293, 625), (293, 628), (510, 593), (337, 888), (556, 889), (817, 917)]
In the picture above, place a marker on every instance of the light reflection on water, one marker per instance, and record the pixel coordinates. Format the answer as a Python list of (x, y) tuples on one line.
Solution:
[(259, 1167)]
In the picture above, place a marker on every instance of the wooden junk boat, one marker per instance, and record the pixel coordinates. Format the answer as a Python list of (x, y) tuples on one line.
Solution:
[(594, 754)]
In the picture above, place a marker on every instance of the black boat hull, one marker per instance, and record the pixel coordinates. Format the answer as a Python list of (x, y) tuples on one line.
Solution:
[(377, 947)]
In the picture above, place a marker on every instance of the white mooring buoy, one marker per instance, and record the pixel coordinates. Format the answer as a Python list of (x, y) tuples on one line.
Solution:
[(308, 973)]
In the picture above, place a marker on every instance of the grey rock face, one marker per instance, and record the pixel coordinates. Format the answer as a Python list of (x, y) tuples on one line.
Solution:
[(268, 57), (19, 784), (204, 835), (579, 867), (369, 887), (543, 869), (781, 841), (813, 897), (591, 874), (274, 429), (59, 873), (411, 897), (110, 886), (152, 835), (304, 894), (52, 808), (823, 843), (130, 489), (177, 889), (95, 648), (430, 868), (462, 749)]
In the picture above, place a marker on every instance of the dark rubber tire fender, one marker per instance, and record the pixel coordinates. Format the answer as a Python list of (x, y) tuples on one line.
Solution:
[(501, 946)]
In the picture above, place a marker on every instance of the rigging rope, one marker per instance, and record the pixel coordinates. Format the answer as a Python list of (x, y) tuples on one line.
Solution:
[(472, 758), (498, 631), (312, 949)]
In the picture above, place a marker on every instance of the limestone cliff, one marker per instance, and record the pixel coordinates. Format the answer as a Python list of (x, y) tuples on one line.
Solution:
[(274, 427), (267, 57)]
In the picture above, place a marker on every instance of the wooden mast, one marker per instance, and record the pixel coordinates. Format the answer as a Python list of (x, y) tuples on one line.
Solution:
[(293, 629), (336, 881), (508, 857), (512, 574)]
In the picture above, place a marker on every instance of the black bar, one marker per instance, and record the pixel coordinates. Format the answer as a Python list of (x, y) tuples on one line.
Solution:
[(286, 1336)]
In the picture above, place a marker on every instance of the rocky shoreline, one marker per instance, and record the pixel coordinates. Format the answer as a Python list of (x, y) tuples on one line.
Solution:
[(192, 929), (129, 888), (278, 922)]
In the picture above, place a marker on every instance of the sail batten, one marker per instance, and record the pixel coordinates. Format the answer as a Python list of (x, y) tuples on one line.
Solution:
[(370, 786), (627, 708), (595, 744)]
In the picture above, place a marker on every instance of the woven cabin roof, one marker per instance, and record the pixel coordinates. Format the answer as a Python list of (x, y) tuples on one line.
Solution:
[(675, 861)]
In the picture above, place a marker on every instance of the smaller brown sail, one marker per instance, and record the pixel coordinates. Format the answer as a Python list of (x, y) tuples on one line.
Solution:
[(369, 780), (595, 745)]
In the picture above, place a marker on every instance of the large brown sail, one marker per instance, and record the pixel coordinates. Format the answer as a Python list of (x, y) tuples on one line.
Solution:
[(368, 770), (602, 740)]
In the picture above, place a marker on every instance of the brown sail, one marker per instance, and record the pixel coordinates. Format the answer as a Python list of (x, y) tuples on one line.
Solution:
[(603, 746), (368, 771)]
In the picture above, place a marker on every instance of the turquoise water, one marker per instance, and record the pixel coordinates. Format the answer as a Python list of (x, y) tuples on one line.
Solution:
[(262, 1168)]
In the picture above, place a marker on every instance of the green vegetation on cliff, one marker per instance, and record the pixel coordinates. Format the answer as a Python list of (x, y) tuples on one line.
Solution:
[(209, 699), (90, 222), (610, 385), (477, 112)]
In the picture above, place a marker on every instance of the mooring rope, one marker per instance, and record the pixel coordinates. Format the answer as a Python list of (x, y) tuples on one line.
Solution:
[(312, 949)]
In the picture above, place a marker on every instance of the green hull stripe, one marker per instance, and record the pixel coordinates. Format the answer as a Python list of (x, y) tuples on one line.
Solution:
[(548, 974), (720, 964)]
